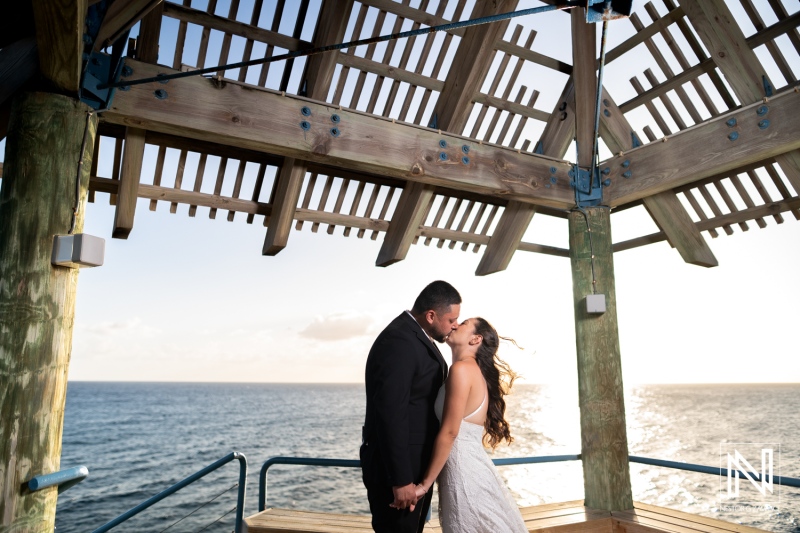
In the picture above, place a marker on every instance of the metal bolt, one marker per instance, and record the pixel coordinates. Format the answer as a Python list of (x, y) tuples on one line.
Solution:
[(626, 163), (627, 174), (305, 111), (762, 110), (764, 124), (87, 39), (553, 179), (464, 159), (606, 112), (125, 88), (442, 156), (335, 132), (465, 149), (731, 122), (305, 125), (442, 144), (733, 136), (606, 171), (161, 94), (161, 75), (606, 102), (335, 119), (606, 183), (127, 71)]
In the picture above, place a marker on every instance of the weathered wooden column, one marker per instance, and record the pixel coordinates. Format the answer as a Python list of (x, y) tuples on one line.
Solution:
[(37, 300), (604, 443)]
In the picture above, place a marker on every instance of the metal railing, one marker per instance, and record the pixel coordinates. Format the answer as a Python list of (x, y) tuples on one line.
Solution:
[(240, 500), (64, 479), (355, 463)]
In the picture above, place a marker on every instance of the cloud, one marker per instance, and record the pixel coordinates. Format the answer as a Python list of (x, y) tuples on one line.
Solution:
[(337, 327)]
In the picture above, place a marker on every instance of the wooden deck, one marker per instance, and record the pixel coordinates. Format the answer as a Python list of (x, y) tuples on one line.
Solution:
[(564, 517)]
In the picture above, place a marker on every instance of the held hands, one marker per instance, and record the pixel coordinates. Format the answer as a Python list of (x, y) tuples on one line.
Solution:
[(406, 497)]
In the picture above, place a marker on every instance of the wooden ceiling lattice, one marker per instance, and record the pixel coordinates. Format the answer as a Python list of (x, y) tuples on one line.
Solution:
[(493, 89)]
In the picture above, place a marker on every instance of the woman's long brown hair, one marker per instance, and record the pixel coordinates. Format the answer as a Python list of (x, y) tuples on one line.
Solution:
[(499, 378)]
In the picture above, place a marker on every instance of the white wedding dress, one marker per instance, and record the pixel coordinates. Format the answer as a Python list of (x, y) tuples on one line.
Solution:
[(472, 496)]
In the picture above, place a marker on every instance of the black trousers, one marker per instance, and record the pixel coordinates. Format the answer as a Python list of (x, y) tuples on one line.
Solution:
[(387, 519)]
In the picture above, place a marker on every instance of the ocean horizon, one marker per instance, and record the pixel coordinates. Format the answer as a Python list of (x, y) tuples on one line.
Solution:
[(138, 438)]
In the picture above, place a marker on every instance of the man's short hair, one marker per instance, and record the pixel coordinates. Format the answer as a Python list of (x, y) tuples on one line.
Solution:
[(437, 296)]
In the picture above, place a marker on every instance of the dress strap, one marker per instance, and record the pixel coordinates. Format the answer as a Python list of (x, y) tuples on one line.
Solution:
[(476, 411)]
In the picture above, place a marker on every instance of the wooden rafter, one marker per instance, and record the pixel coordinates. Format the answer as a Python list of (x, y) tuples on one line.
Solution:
[(284, 204), (262, 120), (408, 216), (319, 69), (120, 17), (470, 65)]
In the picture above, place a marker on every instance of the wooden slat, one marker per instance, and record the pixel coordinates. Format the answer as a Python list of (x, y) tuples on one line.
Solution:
[(312, 182), (223, 163), (674, 221), (726, 197), (698, 209), (706, 150), (237, 186), (534, 57), (470, 65), (404, 226), (337, 207), (763, 193), (284, 204), (506, 238), (198, 180), (231, 26), (177, 59), (512, 107), (388, 71), (59, 39), (129, 183), (116, 168), (451, 219), (674, 14), (173, 207), (714, 207), (271, 124), (248, 45)]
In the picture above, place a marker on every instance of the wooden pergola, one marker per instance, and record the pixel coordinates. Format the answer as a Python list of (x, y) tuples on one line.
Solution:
[(430, 139)]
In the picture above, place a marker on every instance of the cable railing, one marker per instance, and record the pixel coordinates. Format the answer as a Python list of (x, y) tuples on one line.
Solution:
[(240, 500), (355, 463)]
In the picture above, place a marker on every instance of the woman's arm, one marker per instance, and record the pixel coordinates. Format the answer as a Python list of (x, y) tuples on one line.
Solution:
[(455, 404)]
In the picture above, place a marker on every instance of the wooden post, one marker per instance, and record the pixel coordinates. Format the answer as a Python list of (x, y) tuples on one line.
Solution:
[(37, 300), (604, 443)]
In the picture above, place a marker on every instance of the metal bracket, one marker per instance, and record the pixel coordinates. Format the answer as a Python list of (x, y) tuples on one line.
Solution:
[(601, 10), (100, 68), (586, 194)]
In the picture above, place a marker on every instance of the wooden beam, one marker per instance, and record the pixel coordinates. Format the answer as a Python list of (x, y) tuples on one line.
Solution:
[(405, 224), (132, 159), (714, 23), (331, 25), (59, 36), (674, 221), (120, 17), (18, 64), (249, 117), (506, 238), (560, 128), (470, 65), (706, 149), (790, 164), (284, 204)]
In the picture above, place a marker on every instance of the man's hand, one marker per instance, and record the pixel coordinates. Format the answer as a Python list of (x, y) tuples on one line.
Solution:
[(404, 497)]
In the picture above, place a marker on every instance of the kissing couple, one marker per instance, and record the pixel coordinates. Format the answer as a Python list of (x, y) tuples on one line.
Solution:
[(425, 424)]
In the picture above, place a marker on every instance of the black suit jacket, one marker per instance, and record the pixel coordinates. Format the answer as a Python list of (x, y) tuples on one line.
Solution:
[(403, 375)]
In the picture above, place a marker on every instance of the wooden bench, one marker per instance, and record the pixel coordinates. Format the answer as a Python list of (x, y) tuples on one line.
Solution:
[(564, 517)]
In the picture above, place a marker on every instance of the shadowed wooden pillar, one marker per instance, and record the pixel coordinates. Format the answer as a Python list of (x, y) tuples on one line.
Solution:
[(604, 443), (37, 300)]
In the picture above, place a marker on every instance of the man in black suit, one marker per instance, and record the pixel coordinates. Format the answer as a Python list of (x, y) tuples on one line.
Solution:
[(403, 375)]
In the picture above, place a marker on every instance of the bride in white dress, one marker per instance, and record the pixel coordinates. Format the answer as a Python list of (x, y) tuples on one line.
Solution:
[(472, 495)]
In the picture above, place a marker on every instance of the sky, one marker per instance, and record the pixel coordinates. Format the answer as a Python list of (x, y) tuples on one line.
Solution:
[(192, 299)]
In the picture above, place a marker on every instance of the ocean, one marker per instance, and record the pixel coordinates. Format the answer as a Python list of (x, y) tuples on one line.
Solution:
[(139, 438)]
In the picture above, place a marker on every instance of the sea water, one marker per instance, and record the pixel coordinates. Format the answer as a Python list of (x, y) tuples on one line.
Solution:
[(139, 438)]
